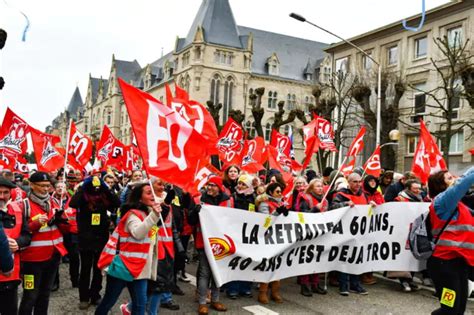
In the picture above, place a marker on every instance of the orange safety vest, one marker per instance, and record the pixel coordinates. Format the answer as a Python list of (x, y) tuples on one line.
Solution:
[(457, 239), (166, 242), (14, 209), (199, 241), (133, 252), (356, 199), (312, 201), (46, 240)]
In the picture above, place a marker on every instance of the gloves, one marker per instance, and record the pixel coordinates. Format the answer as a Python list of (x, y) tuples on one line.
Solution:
[(282, 210), (165, 210), (58, 218), (197, 209), (169, 197)]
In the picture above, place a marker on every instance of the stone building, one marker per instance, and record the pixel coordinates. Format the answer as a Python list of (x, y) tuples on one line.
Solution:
[(218, 60), (407, 54)]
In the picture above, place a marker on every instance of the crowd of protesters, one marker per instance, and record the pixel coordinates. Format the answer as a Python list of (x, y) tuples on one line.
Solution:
[(135, 231)]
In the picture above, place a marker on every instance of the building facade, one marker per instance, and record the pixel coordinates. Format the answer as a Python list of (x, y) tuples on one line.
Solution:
[(218, 60), (407, 55)]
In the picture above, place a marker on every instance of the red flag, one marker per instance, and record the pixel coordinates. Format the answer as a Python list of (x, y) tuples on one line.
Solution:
[(252, 155), (471, 151), (110, 151), (281, 142), (357, 144), (421, 164), (13, 133), (272, 154), (347, 169), (230, 142), (311, 144), (170, 147), (435, 157), (130, 158), (21, 165), (80, 147), (195, 114), (372, 166), (48, 157), (7, 160), (288, 192), (204, 170), (325, 134)]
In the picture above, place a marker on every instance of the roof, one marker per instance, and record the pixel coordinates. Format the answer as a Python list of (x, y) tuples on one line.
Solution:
[(217, 20), (127, 70), (75, 103), (94, 88), (292, 52)]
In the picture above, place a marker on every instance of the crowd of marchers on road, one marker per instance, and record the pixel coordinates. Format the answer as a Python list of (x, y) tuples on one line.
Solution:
[(135, 232)]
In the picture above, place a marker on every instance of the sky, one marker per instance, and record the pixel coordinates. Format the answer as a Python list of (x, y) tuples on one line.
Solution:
[(68, 40)]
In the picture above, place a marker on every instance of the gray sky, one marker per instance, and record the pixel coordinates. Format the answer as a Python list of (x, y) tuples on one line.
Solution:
[(68, 40)]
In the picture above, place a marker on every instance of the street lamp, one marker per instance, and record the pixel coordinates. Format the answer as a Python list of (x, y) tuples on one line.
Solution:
[(379, 75)]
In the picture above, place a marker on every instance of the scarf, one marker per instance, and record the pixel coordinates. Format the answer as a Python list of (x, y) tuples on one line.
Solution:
[(247, 191), (42, 201)]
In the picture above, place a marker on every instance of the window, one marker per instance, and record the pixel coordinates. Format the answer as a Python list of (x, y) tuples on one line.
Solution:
[(308, 101), (250, 129), (309, 77), (421, 47), (367, 62), (186, 59), (457, 143), (412, 142), (228, 94), (342, 65), (223, 57), (455, 36), (456, 98), (287, 130), (392, 55), (291, 101), (268, 131), (86, 128), (109, 118), (272, 99), (197, 53), (215, 88), (420, 98)]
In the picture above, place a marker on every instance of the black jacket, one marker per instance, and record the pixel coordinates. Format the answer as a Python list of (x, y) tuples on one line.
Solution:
[(244, 202), (193, 214)]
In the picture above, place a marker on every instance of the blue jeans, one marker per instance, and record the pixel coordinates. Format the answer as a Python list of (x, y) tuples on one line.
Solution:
[(155, 301), (113, 289), (239, 287), (347, 281)]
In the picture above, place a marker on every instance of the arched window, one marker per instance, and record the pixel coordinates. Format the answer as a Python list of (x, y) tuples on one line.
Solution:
[(109, 118), (228, 95), (287, 129), (215, 88), (291, 101), (187, 84), (268, 131)]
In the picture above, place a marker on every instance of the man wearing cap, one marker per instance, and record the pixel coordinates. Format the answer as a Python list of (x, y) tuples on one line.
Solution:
[(18, 193), (18, 238), (214, 195), (41, 259)]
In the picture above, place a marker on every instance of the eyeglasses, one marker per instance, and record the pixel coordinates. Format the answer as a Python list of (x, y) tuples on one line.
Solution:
[(42, 185), (356, 181), (211, 185)]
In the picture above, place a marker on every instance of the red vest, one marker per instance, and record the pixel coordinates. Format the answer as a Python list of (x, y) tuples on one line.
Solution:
[(133, 252), (46, 240), (17, 194), (166, 242), (358, 200), (457, 239), (198, 240), (14, 209), (312, 201)]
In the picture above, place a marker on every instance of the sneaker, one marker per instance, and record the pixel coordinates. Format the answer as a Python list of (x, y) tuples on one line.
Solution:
[(319, 290), (171, 305), (344, 292), (406, 286), (359, 290), (232, 295), (428, 282), (414, 286), (177, 290), (247, 294), (124, 309), (182, 277), (83, 305)]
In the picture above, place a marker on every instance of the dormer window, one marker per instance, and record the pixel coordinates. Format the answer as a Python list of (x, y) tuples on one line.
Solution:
[(309, 77), (273, 65)]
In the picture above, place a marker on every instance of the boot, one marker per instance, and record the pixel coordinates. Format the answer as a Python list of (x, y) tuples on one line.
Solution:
[(368, 278), (275, 287), (306, 290), (262, 293)]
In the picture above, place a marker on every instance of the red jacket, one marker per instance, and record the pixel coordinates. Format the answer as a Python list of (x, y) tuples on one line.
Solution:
[(14, 209)]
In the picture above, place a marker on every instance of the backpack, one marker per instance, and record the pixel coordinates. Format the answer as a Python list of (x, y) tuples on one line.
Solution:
[(420, 238)]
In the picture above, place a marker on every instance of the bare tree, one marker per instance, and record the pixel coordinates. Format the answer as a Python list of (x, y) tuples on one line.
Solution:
[(389, 111), (454, 69)]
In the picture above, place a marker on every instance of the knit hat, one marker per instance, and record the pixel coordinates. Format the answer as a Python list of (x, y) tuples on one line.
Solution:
[(39, 177), (246, 179), (216, 180)]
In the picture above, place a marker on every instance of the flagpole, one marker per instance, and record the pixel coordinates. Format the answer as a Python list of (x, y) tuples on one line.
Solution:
[(334, 179), (156, 198), (320, 163), (65, 158)]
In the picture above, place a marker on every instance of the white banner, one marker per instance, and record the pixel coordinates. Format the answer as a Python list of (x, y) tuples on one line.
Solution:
[(250, 246)]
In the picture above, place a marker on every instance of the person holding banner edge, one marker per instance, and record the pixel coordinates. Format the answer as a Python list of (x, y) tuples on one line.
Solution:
[(452, 262)]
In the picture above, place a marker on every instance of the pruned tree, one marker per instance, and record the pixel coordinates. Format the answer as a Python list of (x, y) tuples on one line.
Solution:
[(455, 71), (389, 112), (279, 120), (214, 110)]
